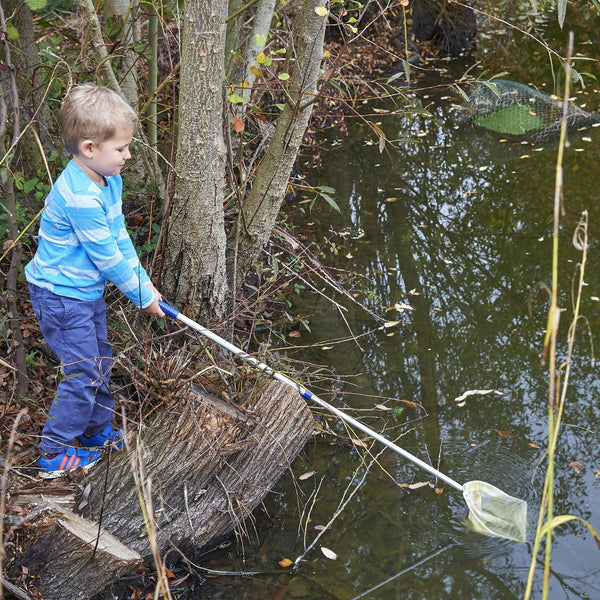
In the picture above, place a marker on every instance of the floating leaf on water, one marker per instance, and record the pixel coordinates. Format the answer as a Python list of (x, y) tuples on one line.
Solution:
[(416, 486), (329, 553), (461, 399), (389, 324), (533, 445), (439, 491), (294, 333), (595, 298), (326, 347), (358, 442), (306, 475), (285, 563), (321, 527), (506, 433), (382, 407), (575, 465)]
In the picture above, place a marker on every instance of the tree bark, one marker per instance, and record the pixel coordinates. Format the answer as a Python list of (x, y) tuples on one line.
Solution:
[(261, 207), (193, 273)]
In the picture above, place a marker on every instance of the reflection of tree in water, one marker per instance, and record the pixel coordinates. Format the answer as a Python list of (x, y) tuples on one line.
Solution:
[(465, 222)]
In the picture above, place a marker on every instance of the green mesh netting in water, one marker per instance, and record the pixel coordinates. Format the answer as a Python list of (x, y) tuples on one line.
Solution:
[(515, 109)]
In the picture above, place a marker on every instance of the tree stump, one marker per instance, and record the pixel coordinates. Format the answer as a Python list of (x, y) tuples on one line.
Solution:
[(72, 557), (207, 464)]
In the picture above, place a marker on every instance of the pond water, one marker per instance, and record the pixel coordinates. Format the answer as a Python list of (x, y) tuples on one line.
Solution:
[(456, 225)]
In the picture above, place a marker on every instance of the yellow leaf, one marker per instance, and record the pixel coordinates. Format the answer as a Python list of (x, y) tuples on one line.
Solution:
[(285, 563), (321, 11), (307, 475)]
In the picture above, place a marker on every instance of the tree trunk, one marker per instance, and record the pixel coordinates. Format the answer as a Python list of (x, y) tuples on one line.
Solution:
[(260, 31), (261, 208), (193, 273), (122, 13), (30, 84)]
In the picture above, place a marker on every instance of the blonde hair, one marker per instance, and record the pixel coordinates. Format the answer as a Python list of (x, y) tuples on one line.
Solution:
[(93, 112)]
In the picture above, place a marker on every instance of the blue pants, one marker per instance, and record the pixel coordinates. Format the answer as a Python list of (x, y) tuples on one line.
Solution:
[(76, 332)]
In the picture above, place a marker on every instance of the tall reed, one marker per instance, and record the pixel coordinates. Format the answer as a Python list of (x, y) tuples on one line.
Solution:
[(558, 374)]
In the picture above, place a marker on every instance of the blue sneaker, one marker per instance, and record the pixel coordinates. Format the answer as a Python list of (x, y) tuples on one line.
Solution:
[(55, 465), (113, 438)]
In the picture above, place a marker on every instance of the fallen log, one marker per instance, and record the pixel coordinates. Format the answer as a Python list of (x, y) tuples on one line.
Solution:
[(190, 477), (207, 463)]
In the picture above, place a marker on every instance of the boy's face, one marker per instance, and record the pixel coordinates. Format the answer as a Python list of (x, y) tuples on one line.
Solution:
[(104, 159)]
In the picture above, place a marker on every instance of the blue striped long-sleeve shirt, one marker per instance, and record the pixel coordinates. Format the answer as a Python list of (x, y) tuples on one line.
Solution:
[(83, 242)]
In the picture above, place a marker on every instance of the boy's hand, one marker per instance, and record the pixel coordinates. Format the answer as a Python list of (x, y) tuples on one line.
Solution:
[(154, 309)]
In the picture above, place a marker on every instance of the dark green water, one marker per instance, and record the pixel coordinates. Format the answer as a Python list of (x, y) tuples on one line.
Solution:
[(458, 226)]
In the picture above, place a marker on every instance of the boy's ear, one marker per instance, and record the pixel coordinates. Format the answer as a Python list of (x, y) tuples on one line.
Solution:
[(86, 147)]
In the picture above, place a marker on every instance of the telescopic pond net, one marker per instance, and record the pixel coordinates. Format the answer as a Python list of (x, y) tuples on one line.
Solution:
[(492, 512)]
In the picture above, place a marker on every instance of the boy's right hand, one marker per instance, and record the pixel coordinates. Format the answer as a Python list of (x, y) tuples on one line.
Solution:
[(154, 309)]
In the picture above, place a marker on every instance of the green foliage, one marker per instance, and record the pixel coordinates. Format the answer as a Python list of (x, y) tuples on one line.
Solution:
[(325, 193), (145, 237), (38, 4), (21, 217), (30, 359)]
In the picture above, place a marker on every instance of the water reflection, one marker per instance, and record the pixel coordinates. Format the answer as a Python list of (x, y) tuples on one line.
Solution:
[(463, 235)]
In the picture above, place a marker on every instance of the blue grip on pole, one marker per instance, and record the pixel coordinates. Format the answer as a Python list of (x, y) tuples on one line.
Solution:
[(168, 309)]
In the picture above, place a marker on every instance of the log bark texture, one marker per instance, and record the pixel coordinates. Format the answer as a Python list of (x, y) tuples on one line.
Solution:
[(207, 463)]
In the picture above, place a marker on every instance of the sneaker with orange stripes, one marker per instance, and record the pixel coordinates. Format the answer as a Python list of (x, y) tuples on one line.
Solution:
[(55, 465)]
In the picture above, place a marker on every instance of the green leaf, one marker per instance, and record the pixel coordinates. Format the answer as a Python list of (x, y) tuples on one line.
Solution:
[(13, 32), (263, 59), (280, 106), (36, 4), (326, 189), (260, 40), (235, 99), (331, 202), (283, 76)]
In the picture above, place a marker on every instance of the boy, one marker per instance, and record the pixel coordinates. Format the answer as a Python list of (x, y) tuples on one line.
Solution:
[(82, 243)]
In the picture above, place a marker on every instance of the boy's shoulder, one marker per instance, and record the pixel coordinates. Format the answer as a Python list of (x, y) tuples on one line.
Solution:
[(74, 186)]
